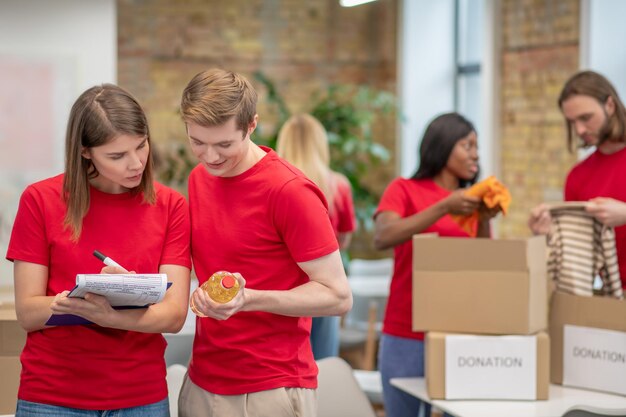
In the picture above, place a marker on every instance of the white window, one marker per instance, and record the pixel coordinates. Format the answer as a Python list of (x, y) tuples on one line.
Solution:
[(446, 64)]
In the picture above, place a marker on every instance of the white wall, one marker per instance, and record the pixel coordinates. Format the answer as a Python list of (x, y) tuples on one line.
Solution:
[(427, 77), (426, 72), (50, 51), (489, 145), (602, 35), (83, 31)]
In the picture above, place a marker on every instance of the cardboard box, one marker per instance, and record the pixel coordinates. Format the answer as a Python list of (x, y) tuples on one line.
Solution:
[(596, 349), (491, 369), (486, 286), (12, 339)]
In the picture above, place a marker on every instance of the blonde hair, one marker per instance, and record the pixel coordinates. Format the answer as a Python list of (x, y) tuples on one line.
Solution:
[(303, 142), (215, 96), (98, 116)]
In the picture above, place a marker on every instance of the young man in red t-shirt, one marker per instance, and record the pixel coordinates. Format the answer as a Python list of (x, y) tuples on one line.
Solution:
[(594, 112), (254, 214)]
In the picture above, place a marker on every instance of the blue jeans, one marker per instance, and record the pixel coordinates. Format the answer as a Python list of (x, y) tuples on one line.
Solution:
[(30, 409), (401, 357), (325, 337)]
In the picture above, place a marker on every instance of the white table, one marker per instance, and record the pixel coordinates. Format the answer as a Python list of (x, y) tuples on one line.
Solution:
[(560, 400)]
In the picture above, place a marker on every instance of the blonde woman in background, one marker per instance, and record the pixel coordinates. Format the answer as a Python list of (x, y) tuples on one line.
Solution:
[(303, 142)]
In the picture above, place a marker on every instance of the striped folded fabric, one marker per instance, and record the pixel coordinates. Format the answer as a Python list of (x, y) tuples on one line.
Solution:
[(580, 248)]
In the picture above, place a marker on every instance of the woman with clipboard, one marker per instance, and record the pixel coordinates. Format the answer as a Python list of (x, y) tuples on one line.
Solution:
[(106, 199)]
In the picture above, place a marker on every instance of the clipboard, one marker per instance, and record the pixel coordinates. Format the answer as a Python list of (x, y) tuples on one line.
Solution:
[(73, 320)]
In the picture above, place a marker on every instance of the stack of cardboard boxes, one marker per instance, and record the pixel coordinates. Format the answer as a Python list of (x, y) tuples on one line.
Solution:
[(588, 342), (484, 306)]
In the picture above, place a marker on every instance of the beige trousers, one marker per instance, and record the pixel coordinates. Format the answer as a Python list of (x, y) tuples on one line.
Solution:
[(194, 401)]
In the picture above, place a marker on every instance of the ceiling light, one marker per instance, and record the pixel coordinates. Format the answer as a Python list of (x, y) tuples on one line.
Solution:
[(350, 3)]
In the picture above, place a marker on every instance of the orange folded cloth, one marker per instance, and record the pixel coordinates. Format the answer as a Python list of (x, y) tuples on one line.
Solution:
[(493, 193)]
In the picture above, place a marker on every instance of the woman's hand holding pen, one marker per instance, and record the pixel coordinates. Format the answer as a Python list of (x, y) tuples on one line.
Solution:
[(115, 270), (220, 311), (111, 267)]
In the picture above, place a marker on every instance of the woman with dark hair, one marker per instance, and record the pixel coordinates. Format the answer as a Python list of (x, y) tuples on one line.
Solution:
[(106, 199), (422, 204)]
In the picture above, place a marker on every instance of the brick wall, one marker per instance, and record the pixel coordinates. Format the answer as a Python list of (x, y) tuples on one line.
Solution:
[(539, 52), (305, 46), (302, 46)]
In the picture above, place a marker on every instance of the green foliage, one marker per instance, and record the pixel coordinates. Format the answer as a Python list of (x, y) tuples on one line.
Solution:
[(277, 101), (174, 165), (348, 114)]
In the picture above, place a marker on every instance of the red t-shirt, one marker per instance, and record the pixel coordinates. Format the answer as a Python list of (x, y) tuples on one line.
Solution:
[(92, 367), (602, 175), (259, 223), (407, 197), (342, 213)]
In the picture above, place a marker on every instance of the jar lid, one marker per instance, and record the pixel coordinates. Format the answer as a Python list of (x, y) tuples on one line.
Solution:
[(228, 281)]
